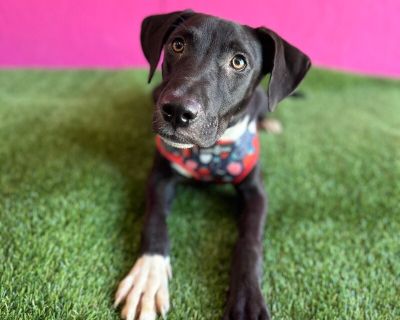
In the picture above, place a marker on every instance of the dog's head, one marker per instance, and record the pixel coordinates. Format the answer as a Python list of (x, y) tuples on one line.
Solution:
[(210, 70)]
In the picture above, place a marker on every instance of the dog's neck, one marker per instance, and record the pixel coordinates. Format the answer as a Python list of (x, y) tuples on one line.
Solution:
[(247, 109), (236, 130)]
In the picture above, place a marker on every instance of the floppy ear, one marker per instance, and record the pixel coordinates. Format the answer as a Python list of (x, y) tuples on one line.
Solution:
[(155, 31), (287, 65)]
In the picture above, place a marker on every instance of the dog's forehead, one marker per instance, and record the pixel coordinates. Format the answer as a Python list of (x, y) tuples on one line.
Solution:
[(202, 26)]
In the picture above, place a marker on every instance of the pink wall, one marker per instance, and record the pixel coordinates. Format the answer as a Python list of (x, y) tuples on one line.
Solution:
[(356, 35)]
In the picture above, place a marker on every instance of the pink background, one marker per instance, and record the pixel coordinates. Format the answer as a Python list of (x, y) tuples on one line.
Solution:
[(355, 35)]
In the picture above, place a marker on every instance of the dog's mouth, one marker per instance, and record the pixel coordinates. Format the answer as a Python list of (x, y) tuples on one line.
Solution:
[(176, 144), (198, 135)]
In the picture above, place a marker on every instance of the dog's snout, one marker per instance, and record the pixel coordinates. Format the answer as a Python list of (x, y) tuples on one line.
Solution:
[(180, 114)]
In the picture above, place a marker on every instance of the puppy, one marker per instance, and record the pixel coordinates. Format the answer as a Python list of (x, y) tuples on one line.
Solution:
[(205, 117)]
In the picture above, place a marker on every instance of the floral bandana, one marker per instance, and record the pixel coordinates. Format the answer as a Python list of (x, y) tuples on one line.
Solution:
[(230, 160)]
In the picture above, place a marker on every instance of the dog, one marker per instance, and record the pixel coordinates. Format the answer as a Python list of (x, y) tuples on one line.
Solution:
[(205, 118)]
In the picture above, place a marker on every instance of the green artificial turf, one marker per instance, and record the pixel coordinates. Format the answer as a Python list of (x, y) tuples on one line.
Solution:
[(75, 150)]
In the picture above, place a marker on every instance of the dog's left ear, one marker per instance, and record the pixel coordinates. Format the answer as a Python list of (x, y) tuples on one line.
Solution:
[(287, 65), (155, 32)]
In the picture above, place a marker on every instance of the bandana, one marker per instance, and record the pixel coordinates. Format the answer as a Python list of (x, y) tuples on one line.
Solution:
[(230, 160)]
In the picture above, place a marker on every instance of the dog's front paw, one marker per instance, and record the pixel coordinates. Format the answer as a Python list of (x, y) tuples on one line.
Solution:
[(145, 289), (246, 303)]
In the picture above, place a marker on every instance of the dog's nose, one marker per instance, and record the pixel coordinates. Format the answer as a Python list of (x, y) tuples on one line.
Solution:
[(180, 115)]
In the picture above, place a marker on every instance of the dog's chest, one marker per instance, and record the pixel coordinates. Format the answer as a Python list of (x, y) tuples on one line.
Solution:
[(230, 160)]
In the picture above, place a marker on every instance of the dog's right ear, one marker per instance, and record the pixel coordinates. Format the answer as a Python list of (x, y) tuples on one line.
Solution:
[(155, 32)]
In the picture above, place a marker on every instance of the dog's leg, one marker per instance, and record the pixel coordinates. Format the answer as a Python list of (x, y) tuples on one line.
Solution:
[(245, 300), (145, 289)]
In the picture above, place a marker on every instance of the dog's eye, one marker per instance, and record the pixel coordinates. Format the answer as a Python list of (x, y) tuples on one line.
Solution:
[(178, 45), (238, 62)]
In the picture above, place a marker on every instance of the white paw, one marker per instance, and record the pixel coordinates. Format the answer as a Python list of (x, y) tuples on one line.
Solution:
[(271, 125), (145, 289)]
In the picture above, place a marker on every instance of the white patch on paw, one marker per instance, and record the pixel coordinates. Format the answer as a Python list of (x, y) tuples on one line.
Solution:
[(145, 289), (272, 126)]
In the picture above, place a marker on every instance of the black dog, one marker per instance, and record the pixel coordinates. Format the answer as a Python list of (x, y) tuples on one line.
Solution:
[(205, 113)]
